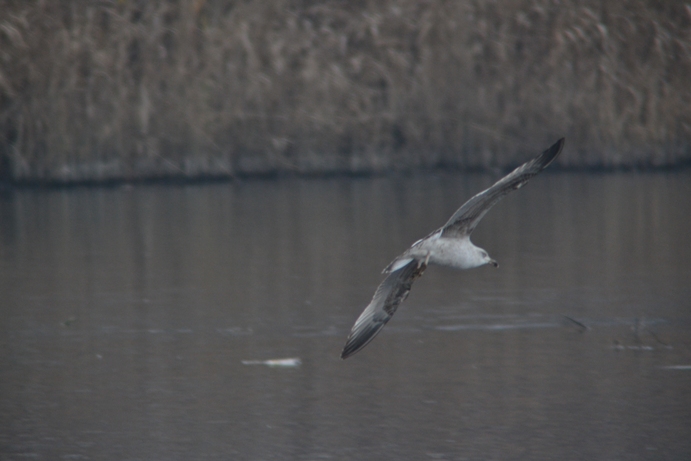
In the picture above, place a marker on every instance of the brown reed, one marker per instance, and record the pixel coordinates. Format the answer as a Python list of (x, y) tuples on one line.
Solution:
[(111, 90)]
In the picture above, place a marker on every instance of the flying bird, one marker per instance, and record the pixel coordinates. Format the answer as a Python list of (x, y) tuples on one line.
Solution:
[(449, 246)]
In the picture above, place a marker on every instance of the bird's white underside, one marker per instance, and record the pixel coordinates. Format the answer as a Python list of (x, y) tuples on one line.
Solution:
[(458, 253)]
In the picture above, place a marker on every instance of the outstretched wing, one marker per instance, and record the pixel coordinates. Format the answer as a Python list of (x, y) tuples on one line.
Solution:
[(464, 220), (390, 294)]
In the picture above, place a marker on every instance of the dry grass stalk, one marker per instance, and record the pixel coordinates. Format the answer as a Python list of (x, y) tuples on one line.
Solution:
[(127, 90)]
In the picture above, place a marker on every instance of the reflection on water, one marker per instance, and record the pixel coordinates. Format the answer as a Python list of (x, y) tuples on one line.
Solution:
[(126, 315)]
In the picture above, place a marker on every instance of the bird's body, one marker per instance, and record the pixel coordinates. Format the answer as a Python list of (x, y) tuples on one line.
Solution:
[(457, 253), (448, 246)]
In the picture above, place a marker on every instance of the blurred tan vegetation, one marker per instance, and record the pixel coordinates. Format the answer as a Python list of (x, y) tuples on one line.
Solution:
[(128, 89)]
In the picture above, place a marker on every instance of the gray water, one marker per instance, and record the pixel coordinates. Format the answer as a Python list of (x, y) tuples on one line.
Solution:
[(126, 315)]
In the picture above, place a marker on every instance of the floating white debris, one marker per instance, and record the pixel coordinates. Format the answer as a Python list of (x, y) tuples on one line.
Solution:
[(621, 347), (289, 362), (678, 367)]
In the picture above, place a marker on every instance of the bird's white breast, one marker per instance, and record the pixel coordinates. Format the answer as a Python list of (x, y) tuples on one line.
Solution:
[(451, 252)]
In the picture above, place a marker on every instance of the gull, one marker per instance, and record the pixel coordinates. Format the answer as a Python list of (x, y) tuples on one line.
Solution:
[(448, 246)]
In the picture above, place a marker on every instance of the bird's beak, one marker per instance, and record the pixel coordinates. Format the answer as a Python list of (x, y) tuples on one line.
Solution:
[(494, 263)]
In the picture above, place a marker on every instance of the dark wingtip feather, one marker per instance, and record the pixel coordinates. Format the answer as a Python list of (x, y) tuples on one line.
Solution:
[(360, 339), (551, 153)]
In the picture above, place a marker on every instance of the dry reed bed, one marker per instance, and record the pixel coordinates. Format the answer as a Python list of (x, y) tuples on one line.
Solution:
[(128, 89)]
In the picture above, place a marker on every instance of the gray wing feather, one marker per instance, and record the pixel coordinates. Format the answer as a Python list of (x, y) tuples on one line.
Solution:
[(465, 219), (390, 294)]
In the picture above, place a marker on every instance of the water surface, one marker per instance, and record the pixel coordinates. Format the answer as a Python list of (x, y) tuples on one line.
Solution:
[(126, 315)]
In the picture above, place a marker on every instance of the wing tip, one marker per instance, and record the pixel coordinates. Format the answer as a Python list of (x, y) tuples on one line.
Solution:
[(348, 349), (345, 354), (354, 344), (361, 336), (553, 151)]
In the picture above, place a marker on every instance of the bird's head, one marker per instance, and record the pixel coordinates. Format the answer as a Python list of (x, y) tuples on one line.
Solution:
[(486, 259)]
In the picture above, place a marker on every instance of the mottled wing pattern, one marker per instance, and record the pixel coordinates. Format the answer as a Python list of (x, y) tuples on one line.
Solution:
[(464, 220), (390, 294)]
